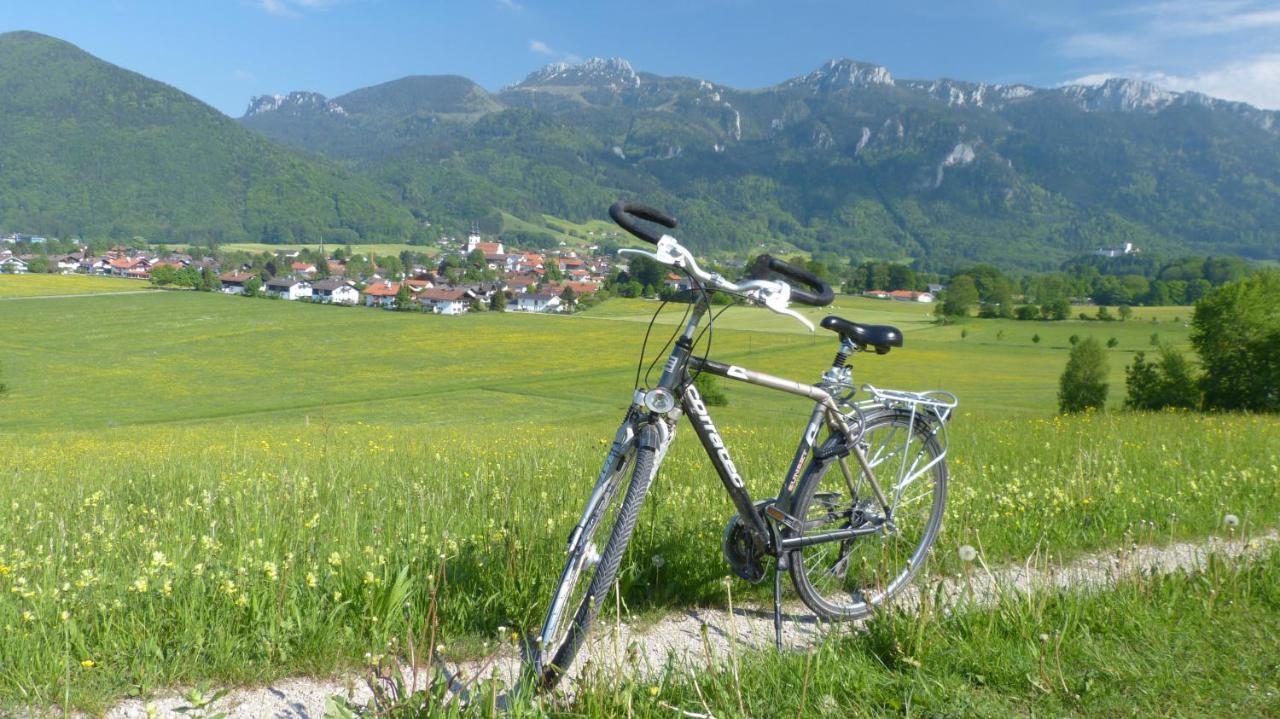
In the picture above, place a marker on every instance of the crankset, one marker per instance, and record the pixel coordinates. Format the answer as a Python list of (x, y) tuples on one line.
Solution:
[(745, 559)]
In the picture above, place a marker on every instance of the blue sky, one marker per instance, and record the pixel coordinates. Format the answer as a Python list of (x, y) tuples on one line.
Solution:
[(225, 51)]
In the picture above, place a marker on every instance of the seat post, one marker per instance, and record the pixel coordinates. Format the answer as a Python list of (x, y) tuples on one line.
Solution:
[(842, 354)]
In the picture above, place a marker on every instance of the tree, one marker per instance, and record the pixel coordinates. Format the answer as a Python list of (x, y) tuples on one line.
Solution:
[(404, 298), (252, 287), (709, 388), (1113, 343), (1058, 309), (498, 302), (1035, 338), (962, 294), (1168, 382), (1236, 332), (1083, 384), (209, 281), (1125, 312), (1103, 313), (568, 299), (163, 275), (1028, 312)]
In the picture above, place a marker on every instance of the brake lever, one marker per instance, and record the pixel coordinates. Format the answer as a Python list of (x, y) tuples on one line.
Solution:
[(777, 302)]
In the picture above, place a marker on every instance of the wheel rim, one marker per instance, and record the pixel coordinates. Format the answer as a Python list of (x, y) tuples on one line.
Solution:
[(847, 578), (575, 581)]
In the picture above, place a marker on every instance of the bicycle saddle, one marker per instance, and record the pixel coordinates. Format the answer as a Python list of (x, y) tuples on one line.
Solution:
[(881, 337)]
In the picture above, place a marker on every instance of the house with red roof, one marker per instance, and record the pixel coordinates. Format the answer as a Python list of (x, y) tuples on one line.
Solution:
[(381, 293)]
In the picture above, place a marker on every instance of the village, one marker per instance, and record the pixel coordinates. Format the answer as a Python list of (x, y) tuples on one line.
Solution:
[(467, 276)]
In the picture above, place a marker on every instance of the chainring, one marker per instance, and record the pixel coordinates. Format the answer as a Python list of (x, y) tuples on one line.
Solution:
[(745, 560)]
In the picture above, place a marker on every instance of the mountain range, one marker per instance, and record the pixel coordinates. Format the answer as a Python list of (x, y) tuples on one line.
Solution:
[(846, 161)]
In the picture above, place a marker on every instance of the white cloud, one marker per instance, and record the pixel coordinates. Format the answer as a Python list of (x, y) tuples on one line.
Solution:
[(243, 75), (541, 47), (511, 5), (293, 8), (277, 7), (1222, 48)]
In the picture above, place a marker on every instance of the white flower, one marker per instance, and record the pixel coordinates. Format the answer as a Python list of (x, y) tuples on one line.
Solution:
[(1231, 521), (967, 553)]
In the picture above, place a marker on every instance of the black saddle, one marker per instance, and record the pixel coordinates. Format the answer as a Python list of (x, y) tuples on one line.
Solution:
[(881, 337)]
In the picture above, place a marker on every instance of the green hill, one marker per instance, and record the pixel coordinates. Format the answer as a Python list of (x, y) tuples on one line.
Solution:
[(91, 149)]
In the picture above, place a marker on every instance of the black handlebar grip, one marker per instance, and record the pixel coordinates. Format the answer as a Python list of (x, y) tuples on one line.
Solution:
[(822, 294), (625, 214)]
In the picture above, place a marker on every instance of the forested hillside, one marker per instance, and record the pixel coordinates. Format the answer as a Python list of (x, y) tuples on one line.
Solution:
[(90, 149)]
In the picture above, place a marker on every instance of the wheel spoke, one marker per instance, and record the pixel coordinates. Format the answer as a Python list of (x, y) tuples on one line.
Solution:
[(845, 578)]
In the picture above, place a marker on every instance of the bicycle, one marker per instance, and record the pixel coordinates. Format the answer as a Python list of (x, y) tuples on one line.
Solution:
[(848, 543)]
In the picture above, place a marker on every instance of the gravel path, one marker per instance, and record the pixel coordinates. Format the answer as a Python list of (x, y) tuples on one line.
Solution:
[(699, 636)]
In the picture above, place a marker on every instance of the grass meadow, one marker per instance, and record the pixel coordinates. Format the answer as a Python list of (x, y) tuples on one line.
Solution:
[(203, 487), (21, 286)]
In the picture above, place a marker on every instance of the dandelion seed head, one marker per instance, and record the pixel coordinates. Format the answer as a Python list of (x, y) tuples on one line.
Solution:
[(1231, 521), (967, 553)]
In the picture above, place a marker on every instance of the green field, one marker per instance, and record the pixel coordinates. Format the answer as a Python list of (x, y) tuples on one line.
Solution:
[(222, 488), (18, 286)]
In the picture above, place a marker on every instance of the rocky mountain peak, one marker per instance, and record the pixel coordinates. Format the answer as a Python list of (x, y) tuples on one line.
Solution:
[(295, 102), (1119, 94), (615, 73), (839, 73)]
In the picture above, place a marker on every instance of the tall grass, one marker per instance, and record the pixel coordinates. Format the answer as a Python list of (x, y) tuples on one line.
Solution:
[(1187, 645), (238, 553)]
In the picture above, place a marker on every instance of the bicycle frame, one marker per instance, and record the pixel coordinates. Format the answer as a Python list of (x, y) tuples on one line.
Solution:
[(676, 379)]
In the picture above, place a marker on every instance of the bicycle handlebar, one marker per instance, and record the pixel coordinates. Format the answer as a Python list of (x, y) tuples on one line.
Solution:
[(625, 214), (772, 294), (822, 294)]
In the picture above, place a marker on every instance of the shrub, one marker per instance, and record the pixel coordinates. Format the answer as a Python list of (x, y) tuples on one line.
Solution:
[(1084, 381), (1028, 312), (1167, 382)]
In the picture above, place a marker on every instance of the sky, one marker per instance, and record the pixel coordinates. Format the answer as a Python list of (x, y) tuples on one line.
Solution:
[(227, 51)]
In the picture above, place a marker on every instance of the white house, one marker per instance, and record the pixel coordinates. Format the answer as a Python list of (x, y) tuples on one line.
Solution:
[(538, 302), (12, 264), (287, 288), (233, 282), (335, 291), (446, 301), (68, 264)]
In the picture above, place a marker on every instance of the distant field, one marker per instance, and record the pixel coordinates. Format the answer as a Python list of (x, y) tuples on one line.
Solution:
[(376, 249), (46, 285), (213, 355)]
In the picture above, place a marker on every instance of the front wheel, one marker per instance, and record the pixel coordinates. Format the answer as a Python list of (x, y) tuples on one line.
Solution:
[(846, 579), (595, 552)]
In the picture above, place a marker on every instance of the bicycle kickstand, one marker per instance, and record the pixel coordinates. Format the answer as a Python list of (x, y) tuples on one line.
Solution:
[(778, 568)]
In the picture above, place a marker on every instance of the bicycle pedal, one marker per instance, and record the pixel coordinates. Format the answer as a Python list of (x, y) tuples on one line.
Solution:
[(780, 516)]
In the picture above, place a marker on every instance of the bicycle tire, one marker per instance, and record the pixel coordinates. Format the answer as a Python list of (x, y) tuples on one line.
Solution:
[(846, 586), (553, 662)]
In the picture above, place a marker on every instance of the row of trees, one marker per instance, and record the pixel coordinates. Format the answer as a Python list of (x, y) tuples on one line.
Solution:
[(1235, 332)]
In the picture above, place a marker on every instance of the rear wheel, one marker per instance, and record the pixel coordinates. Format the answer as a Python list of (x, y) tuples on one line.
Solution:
[(846, 579), (594, 557)]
